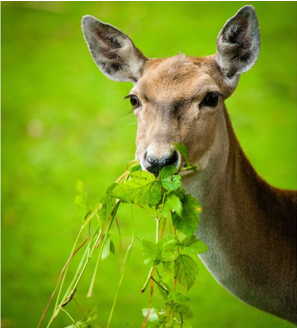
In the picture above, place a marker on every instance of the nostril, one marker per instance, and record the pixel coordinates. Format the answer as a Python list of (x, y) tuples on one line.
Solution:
[(155, 164), (171, 159), (154, 161)]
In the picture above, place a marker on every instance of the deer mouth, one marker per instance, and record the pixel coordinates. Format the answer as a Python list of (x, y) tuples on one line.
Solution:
[(185, 172), (185, 169), (154, 164)]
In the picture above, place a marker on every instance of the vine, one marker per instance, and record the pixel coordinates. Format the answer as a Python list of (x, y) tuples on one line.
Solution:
[(171, 258)]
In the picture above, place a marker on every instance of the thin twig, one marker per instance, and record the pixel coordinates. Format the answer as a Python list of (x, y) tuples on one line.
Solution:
[(120, 282), (59, 280), (70, 317), (110, 221), (151, 299), (126, 259), (148, 212), (160, 285), (181, 320), (147, 280), (120, 244), (163, 228)]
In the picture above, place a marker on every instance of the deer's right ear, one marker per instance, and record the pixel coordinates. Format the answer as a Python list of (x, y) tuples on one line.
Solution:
[(238, 44), (113, 51)]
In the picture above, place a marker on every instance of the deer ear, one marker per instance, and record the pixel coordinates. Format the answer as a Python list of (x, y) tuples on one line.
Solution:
[(113, 51), (238, 43)]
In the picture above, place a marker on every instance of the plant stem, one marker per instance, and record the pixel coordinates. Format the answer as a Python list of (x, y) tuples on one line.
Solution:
[(59, 280), (160, 285), (120, 244), (189, 167), (147, 280), (90, 291), (88, 218), (70, 289), (181, 320), (163, 228), (148, 212), (74, 323), (62, 283), (126, 259), (157, 228), (82, 266), (121, 280), (113, 214)]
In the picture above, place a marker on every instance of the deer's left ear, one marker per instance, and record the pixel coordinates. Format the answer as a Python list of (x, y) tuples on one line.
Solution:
[(113, 51), (238, 43)]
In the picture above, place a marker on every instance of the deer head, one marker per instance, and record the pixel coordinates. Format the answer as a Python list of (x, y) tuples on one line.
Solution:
[(178, 99)]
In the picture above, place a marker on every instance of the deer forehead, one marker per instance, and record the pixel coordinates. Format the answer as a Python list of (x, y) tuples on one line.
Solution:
[(177, 78)]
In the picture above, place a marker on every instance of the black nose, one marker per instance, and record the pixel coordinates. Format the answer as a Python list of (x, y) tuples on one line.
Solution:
[(155, 165)]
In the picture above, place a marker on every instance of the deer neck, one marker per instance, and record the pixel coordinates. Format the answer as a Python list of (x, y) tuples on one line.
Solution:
[(220, 187), (243, 219)]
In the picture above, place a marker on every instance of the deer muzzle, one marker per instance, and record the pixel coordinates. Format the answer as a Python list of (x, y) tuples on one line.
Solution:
[(154, 164)]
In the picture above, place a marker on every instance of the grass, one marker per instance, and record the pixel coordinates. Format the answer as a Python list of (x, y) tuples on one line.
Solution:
[(62, 120)]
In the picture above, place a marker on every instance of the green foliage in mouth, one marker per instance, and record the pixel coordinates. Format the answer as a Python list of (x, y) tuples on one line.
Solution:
[(171, 257)]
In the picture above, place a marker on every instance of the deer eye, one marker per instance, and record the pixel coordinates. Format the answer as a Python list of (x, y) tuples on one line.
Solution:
[(210, 100), (134, 101)]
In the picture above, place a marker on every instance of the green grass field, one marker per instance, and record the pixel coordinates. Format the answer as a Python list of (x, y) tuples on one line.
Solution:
[(62, 120)]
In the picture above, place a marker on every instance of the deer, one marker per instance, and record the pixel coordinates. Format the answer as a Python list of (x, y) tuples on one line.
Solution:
[(248, 225)]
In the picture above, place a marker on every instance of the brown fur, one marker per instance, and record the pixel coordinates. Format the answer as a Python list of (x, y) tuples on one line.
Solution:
[(261, 238)]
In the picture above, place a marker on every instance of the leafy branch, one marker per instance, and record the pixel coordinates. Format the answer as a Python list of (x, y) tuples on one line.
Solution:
[(171, 256)]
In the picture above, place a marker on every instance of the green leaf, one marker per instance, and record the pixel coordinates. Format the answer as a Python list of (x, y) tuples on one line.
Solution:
[(185, 270), (141, 188), (108, 203), (180, 193), (178, 297), (168, 180), (80, 187), (163, 293), (172, 203), (171, 183), (133, 166), (167, 172), (171, 244), (164, 290), (193, 245), (81, 199), (177, 307), (112, 247), (153, 253), (188, 221), (81, 202), (183, 150), (167, 266), (108, 248)]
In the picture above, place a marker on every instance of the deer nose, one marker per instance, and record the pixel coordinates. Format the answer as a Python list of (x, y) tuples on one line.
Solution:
[(155, 164)]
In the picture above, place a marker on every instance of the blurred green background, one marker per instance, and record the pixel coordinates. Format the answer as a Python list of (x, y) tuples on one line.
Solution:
[(62, 120)]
